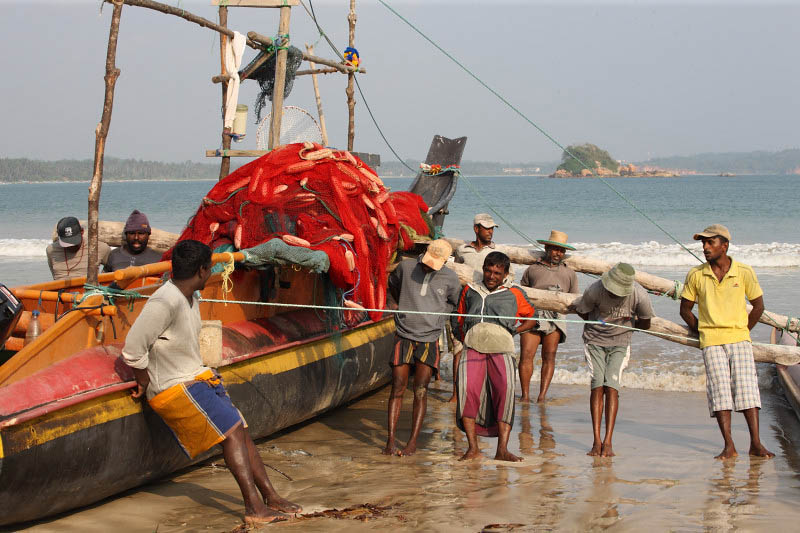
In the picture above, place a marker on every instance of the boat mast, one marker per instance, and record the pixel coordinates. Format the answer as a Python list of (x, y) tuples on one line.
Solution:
[(351, 101), (101, 133)]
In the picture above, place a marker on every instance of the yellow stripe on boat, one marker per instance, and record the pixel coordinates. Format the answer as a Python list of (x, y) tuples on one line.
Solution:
[(120, 404)]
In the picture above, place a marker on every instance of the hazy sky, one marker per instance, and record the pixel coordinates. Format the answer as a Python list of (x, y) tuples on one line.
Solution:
[(641, 79)]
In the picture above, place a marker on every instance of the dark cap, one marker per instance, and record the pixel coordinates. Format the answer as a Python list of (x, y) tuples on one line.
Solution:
[(69, 232), (137, 222)]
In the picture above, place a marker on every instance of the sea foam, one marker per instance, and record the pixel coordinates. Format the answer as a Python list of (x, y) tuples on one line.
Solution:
[(20, 249)]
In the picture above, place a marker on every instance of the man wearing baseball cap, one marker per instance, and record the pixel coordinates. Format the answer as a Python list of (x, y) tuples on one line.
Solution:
[(134, 251), (615, 300), (719, 288), (473, 253), (423, 285), (67, 256)]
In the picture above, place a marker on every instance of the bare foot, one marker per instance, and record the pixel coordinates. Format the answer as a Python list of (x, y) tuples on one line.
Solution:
[(607, 451), (389, 449), (540, 399), (269, 516), (727, 453), (525, 398), (596, 450), (410, 449), (506, 455), (283, 505), (470, 454), (760, 451), (452, 399)]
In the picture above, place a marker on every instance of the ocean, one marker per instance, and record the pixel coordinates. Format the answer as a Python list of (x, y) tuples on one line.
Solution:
[(759, 210)]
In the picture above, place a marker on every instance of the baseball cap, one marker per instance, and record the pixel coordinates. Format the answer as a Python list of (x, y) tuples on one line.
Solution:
[(69, 232), (485, 220), (437, 254), (712, 231)]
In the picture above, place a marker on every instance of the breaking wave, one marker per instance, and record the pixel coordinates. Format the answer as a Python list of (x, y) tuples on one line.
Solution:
[(18, 249), (652, 253), (651, 379)]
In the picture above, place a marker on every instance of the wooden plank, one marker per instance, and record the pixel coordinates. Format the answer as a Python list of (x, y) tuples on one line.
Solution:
[(280, 80), (256, 3), (236, 153)]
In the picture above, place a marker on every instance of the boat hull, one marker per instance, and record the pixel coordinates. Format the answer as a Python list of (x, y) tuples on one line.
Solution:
[(88, 451)]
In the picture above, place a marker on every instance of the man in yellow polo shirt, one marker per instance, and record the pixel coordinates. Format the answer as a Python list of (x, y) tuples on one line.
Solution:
[(719, 288)]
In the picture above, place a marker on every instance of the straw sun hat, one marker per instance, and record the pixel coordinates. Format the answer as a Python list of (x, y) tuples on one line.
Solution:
[(557, 238), (619, 280)]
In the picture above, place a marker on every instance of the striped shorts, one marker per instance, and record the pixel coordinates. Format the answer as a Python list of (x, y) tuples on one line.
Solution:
[(731, 379), (408, 352)]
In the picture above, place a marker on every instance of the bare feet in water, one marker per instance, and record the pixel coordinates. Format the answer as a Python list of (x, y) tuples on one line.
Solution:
[(283, 505), (525, 399), (269, 516), (390, 449), (760, 451), (607, 451), (596, 450), (470, 454), (727, 453), (410, 449), (506, 455), (540, 399)]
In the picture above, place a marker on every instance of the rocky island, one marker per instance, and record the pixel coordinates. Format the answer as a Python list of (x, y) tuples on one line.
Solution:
[(600, 164)]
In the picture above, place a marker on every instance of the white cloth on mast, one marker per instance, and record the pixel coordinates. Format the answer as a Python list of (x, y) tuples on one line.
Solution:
[(234, 49)]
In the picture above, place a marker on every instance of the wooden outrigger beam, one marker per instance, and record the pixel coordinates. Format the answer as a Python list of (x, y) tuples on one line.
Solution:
[(593, 265), (562, 302)]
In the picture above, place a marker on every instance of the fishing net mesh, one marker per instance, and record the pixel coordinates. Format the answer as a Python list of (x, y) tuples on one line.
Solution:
[(318, 199), (297, 125), (265, 76)]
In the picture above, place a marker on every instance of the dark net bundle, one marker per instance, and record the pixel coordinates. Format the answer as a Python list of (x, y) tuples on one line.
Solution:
[(319, 199), (265, 76)]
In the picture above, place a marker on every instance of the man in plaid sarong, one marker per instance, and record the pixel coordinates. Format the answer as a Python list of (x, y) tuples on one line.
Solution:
[(486, 372), (719, 288)]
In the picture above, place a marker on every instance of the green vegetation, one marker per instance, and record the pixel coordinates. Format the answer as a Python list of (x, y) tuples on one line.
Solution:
[(762, 162), (590, 155), (16, 170)]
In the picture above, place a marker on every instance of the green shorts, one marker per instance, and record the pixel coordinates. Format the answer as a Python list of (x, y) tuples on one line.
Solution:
[(606, 364)]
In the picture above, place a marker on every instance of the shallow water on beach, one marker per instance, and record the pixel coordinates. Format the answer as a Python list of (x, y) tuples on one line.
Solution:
[(664, 476)]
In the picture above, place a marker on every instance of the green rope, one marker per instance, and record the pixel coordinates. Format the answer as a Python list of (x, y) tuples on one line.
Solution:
[(214, 202), (110, 294), (532, 123)]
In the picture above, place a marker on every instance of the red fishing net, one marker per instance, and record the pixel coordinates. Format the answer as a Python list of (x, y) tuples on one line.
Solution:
[(320, 199)]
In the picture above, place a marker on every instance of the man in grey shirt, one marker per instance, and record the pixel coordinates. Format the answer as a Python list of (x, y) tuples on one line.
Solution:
[(615, 300), (134, 251), (422, 285)]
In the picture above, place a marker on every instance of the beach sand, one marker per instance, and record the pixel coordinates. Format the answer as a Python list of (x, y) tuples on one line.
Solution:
[(664, 476)]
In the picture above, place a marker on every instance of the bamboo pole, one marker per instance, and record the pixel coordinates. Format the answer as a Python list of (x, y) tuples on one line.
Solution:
[(315, 71), (593, 265), (280, 80), (225, 163), (563, 302), (101, 133), (351, 101), (323, 130)]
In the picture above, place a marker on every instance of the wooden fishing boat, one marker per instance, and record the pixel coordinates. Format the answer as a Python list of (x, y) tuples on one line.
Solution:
[(70, 433)]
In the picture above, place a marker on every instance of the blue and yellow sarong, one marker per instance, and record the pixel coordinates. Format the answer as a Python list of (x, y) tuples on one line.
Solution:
[(199, 413)]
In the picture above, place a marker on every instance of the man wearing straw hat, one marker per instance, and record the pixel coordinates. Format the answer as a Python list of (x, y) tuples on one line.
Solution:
[(719, 288), (615, 300), (422, 285), (547, 273)]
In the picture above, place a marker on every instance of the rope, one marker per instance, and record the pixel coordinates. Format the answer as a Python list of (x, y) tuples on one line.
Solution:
[(110, 294), (465, 315), (227, 282), (532, 123)]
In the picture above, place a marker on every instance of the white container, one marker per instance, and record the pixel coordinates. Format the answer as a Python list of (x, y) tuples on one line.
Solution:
[(240, 122), (34, 328)]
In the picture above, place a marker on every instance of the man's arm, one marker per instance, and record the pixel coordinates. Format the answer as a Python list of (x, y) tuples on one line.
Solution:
[(526, 325), (142, 381), (687, 315), (755, 312), (642, 323)]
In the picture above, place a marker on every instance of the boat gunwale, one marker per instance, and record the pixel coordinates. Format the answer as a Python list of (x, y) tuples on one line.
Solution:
[(21, 417)]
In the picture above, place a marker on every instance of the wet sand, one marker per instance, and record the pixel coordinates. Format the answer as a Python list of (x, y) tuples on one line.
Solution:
[(664, 476)]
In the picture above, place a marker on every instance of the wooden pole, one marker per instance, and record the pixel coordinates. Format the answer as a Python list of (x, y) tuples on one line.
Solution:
[(593, 265), (351, 101), (101, 133), (225, 164), (280, 79), (310, 50), (563, 302)]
